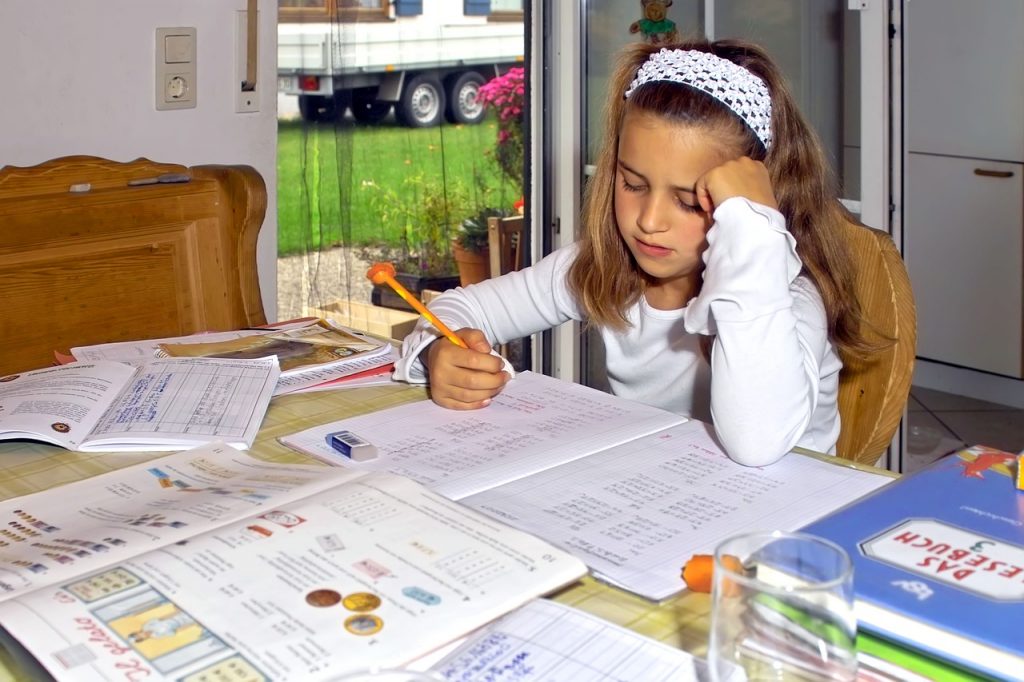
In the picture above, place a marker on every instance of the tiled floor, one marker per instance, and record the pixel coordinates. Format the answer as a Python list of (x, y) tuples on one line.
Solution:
[(939, 423)]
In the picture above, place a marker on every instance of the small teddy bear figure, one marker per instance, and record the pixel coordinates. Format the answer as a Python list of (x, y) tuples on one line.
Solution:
[(655, 28)]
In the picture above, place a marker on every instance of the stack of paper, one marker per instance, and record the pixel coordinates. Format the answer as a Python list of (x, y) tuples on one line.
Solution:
[(313, 354)]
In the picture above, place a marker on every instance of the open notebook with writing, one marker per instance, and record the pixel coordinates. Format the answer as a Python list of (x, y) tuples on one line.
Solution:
[(632, 490), (545, 640), (160, 405)]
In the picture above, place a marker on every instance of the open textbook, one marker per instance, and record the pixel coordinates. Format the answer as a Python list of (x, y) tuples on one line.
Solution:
[(161, 405), (208, 564), (631, 489)]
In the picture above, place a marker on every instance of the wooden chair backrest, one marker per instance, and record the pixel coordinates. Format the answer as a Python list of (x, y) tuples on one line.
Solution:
[(113, 262), (505, 240), (873, 392)]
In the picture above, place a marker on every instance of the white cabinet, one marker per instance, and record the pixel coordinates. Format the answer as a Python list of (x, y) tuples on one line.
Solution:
[(963, 78), (964, 246), (963, 190)]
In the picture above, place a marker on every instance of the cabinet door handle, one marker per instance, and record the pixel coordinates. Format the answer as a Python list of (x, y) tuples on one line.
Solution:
[(993, 173)]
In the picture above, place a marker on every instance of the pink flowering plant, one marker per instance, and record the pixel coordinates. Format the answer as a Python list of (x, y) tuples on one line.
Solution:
[(506, 94)]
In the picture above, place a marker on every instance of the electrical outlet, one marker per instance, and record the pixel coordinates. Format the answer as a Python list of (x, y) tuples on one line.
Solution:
[(176, 68)]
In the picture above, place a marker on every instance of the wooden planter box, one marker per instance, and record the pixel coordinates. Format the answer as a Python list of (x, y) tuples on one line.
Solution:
[(385, 322), (385, 297)]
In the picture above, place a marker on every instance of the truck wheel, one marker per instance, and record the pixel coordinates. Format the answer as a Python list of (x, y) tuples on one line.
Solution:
[(366, 108), (463, 106), (422, 102), (317, 108)]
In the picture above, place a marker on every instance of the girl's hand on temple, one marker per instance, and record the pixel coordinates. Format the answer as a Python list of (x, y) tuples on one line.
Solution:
[(460, 378), (742, 177)]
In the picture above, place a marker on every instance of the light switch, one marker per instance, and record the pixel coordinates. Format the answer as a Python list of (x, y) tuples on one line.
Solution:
[(178, 50), (176, 68)]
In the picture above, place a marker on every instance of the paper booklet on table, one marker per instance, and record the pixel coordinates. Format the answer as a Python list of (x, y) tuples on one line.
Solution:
[(209, 563), (167, 404), (631, 489), (311, 353)]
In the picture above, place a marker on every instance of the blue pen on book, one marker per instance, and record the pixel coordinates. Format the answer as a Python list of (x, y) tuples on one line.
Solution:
[(352, 446)]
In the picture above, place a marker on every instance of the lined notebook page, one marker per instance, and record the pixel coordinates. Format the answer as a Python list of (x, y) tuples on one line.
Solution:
[(536, 423), (636, 512), (546, 640)]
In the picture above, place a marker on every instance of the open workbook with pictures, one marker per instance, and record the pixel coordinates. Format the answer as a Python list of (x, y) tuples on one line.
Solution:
[(209, 564), (159, 405), (632, 490)]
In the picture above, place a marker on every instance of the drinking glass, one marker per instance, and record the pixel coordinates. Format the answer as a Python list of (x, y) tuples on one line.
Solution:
[(782, 609)]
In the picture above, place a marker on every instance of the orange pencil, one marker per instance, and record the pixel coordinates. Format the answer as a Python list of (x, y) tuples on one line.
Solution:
[(384, 273)]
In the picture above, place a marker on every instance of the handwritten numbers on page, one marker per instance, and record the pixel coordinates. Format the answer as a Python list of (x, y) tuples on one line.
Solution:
[(545, 640)]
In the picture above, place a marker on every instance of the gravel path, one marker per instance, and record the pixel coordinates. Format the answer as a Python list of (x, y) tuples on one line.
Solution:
[(311, 280)]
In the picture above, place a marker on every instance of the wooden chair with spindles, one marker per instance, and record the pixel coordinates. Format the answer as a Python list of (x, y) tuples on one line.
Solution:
[(97, 251), (506, 243), (873, 391)]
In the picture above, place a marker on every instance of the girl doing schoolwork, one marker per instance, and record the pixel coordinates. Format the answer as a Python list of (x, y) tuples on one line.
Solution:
[(709, 261)]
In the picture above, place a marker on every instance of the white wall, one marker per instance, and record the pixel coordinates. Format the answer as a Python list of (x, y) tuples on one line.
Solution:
[(78, 78)]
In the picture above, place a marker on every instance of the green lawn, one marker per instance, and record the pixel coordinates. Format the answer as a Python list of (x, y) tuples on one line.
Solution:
[(364, 184)]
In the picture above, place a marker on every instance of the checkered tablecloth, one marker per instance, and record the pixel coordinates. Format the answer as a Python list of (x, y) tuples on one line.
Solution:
[(30, 467)]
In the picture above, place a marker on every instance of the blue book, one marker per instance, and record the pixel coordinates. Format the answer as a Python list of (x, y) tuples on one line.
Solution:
[(939, 560)]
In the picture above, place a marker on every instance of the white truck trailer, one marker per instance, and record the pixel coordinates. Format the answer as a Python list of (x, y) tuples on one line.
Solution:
[(425, 66)]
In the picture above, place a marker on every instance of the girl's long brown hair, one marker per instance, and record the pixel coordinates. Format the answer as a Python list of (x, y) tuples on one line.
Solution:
[(606, 279)]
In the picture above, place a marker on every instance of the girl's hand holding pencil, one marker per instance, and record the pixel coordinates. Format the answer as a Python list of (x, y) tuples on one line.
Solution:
[(464, 379), (464, 373)]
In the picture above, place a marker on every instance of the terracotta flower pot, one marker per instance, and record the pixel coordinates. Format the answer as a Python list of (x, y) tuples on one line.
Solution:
[(474, 266)]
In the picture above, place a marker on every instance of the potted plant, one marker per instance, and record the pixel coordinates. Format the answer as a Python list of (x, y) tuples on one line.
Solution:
[(470, 246), (506, 94), (421, 214)]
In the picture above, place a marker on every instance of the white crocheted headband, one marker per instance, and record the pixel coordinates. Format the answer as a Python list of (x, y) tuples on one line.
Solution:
[(745, 94)]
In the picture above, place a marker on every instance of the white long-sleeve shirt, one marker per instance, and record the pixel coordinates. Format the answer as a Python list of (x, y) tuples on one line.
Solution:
[(773, 379)]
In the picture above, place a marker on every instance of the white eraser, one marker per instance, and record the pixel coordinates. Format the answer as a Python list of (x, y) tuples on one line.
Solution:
[(352, 446)]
